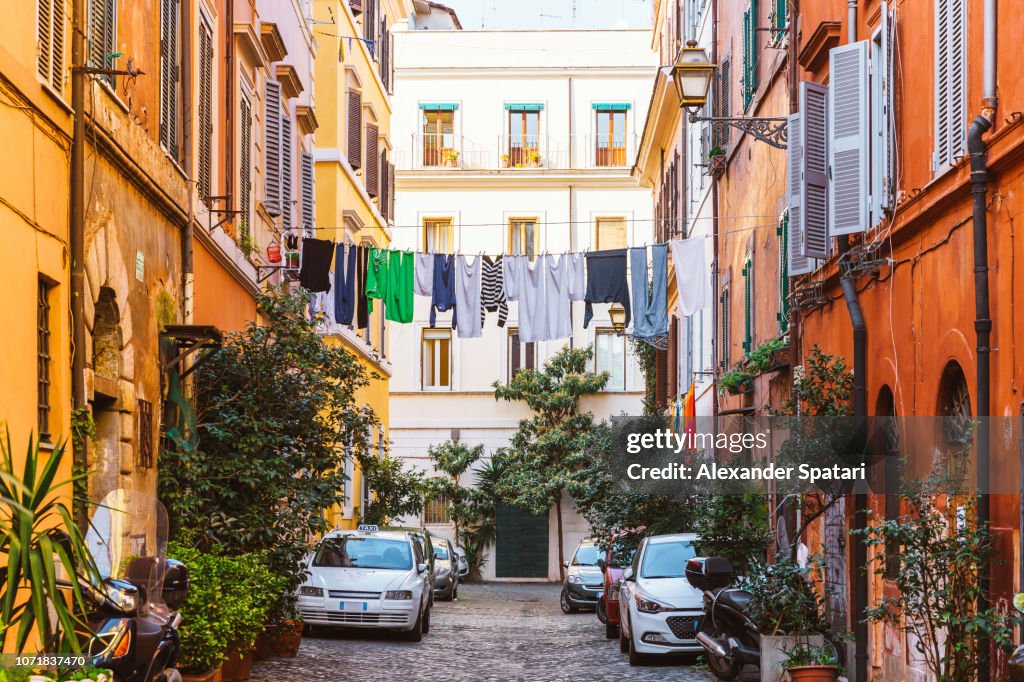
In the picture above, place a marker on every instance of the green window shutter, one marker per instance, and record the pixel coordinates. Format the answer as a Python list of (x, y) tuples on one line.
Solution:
[(748, 307), (783, 233), (749, 53), (781, 7), (724, 301)]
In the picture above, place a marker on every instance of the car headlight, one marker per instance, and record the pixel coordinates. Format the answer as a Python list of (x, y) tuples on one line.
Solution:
[(645, 605), (398, 594), (575, 579), (310, 591), (123, 599)]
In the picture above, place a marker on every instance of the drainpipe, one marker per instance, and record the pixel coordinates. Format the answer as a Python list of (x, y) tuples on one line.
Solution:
[(229, 111), (716, 283), (76, 219), (187, 236)]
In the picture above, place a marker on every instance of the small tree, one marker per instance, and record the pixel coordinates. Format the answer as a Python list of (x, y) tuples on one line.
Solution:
[(734, 526), (395, 491), (453, 459), (548, 451)]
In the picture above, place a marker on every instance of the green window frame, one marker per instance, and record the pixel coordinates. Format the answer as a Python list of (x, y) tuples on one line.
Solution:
[(749, 53), (780, 16), (782, 231), (748, 306), (724, 351)]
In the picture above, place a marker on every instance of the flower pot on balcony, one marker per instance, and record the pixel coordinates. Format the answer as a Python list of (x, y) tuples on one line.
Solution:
[(716, 166), (814, 673)]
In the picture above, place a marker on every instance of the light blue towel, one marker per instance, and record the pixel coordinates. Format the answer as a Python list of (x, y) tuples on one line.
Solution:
[(650, 313)]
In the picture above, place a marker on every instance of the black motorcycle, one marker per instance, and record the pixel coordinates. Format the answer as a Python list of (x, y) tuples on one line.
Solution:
[(726, 631), (134, 625)]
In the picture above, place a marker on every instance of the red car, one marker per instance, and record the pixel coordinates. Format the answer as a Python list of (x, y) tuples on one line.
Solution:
[(616, 558)]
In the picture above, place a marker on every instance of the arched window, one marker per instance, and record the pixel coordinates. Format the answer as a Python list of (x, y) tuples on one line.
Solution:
[(106, 336), (888, 446)]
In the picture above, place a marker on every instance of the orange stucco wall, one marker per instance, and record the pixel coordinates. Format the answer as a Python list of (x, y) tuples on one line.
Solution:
[(220, 299)]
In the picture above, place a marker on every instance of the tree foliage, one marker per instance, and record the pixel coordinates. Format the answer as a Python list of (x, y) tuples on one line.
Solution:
[(396, 491), (734, 526)]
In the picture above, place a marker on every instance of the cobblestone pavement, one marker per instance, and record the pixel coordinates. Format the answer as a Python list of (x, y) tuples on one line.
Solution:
[(494, 631)]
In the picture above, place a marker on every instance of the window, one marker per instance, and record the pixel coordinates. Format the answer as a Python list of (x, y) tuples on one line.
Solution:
[(882, 162), (355, 129), (307, 185), (435, 511), (523, 237), (50, 38), (610, 233), (438, 235), (145, 414), (169, 76), (437, 359), (372, 166), (780, 18), (950, 82), (749, 53), (272, 147), (43, 359), (287, 173), (725, 359), (245, 170), (102, 36), (204, 132), (748, 305), (523, 139), (439, 137), (610, 356), (520, 355), (611, 135)]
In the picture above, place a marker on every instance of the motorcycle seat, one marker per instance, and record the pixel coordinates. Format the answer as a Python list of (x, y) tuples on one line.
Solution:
[(735, 598)]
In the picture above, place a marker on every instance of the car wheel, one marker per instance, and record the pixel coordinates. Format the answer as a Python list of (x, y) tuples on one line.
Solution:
[(723, 668), (635, 657), (611, 630), (416, 634), (602, 610), (564, 603), (455, 590), (426, 622), (623, 642)]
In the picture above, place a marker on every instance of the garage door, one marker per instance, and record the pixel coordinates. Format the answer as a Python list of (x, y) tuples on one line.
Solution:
[(522, 544)]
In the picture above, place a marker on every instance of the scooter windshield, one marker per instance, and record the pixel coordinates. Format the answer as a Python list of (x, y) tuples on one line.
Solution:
[(128, 539)]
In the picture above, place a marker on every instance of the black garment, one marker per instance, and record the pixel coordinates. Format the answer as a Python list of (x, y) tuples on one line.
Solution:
[(314, 275), (492, 291), (362, 307), (443, 296), (344, 284), (606, 282)]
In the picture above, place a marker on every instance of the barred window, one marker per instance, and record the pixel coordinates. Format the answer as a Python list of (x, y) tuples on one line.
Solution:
[(43, 359), (145, 415), (436, 511)]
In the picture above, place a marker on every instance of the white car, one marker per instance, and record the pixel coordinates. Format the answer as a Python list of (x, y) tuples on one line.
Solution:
[(463, 563), (368, 579), (659, 612)]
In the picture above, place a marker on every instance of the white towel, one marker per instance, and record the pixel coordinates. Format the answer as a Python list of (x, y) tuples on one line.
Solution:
[(467, 296), (692, 275), (424, 269)]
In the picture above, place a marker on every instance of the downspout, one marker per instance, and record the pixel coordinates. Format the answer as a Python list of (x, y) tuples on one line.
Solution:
[(715, 283), (76, 218), (187, 236), (978, 151), (229, 112)]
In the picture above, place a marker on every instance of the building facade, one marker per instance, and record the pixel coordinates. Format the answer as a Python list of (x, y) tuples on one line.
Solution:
[(512, 142)]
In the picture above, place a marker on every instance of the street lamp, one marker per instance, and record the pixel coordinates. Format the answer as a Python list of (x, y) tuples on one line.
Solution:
[(617, 314), (692, 74)]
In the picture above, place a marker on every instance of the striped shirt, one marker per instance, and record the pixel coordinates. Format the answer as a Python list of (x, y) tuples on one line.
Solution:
[(492, 291)]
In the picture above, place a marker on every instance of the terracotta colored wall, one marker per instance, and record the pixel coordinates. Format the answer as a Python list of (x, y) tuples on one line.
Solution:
[(220, 299)]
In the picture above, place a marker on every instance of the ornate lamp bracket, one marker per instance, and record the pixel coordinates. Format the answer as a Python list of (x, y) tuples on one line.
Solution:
[(769, 130)]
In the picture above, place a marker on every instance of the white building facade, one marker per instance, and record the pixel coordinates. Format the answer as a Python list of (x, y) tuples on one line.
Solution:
[(512, 142)]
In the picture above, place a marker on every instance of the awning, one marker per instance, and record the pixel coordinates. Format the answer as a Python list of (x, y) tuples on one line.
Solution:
[(524, 106), (439, 106), (612, 106)]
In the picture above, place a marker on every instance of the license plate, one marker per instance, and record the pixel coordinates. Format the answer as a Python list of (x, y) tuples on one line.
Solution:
[(359, 606)]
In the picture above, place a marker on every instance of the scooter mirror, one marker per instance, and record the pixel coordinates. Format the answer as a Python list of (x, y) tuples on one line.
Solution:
[(1018, 602)]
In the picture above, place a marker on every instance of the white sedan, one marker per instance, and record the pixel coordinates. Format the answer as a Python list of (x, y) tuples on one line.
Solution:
[(659, 612), (368, 579)]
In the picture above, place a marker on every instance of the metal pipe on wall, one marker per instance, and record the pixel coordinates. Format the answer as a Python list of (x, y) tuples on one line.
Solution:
[(716, 283), (187, 235), (76, 228)]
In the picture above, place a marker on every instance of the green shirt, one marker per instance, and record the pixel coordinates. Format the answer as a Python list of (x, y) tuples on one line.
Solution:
[(398, 299), (376, 276)]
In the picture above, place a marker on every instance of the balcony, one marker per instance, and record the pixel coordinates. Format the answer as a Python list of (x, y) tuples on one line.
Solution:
[(516, 153)]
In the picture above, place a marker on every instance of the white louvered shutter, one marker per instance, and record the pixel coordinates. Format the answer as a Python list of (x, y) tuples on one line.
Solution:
[(849, 145), (308, 191), (287, 173), (798, 263), (814, 180), (272, 147), (950, 82), (887, 200)]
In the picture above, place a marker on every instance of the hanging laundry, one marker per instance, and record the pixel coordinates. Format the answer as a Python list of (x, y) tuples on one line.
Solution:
[(424, 274), (557, 284), (525, 284), (344, 283), (606, 282), (362, 302), (398, 297), (650, 313), (442, 295), (376, 276), (689, 257), (316, 264), (492, 290), (576, 274), (467, 296)]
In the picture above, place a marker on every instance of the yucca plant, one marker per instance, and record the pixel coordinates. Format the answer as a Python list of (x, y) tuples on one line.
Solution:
[(40, 547)]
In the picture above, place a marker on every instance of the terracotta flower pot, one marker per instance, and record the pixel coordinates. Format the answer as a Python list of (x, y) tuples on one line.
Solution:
[(281, 640), (209, 676), (814, 673), (238, 666)]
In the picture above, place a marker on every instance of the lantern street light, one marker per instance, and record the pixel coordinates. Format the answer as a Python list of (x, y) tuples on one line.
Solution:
[(617, 315), (692, 75)]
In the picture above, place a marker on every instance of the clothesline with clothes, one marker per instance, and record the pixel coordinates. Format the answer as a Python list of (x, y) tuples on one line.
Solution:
[(348, 278)]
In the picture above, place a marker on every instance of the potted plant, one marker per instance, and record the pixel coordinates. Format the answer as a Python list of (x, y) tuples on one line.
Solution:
[(769, 356), (716, 162), (736, 381), (505, 160), (450, 158), (810, 663), (534, 158)]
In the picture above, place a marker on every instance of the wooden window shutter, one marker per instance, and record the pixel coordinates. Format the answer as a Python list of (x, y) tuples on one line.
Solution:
[(672, 360), (660, 381), (950, 82), (52, 21), (356, 6), (169, 75), (724, 99), (812, 178), (204, 129), (308, 191), (102, 16), (355, 125), (287, 173), (372, 161), (370, 25), (849, 143), (245, 170), (383, 199), (272, 148)]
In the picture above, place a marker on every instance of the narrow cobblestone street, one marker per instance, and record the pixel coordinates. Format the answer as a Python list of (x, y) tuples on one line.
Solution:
[(493, 632)]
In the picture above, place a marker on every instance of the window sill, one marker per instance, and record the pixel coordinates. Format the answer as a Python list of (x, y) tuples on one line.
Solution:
[(47, 446), (57, 97)]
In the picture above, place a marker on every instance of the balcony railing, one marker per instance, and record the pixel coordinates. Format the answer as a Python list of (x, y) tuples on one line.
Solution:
[(428, 151)]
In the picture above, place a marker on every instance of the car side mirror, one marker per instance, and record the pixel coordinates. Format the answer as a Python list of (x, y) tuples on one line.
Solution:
[(628, 574), (421, 567), (602, 564), (565, 564)]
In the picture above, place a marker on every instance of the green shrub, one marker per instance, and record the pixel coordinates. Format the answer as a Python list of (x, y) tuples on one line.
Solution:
[(227, 604)]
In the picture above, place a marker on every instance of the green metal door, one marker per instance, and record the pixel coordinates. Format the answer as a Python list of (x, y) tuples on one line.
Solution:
[(522, 545)]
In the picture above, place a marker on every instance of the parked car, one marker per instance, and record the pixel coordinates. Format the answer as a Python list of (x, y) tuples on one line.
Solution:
[(368, 579), (446, 582), (463, 563), (422, 538), (659, 611), (619, 554), (583, 584)]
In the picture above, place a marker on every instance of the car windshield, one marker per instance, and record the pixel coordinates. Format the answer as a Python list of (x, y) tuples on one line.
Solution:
[(360, 552), (440, 553), (586, 555), (666, 559)]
